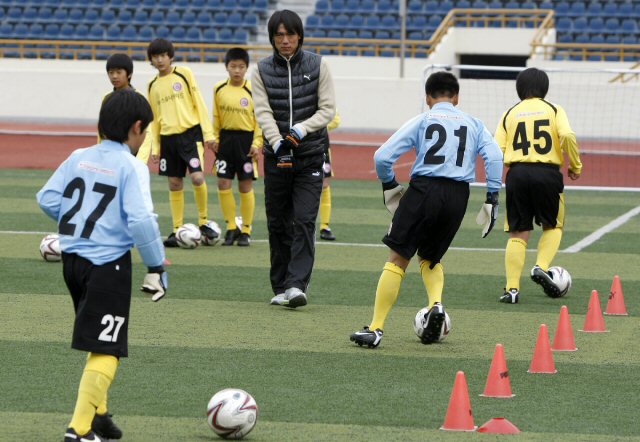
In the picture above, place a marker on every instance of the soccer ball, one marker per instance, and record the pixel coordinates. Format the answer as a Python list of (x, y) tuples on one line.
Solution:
[(561, 278), (418, 324), (50, 248), (216, 228), (188, 236), (232, 413)]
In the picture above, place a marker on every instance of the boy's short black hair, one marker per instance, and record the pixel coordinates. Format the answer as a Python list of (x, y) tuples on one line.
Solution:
[(160, 46), (442, 84), (236, 54), (291, 21), (120, 61), (532, 83), (119, 111)]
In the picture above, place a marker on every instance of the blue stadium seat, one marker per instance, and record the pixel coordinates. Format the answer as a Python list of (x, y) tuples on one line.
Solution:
[(546, 4), (76, 15), (29, 14), (81, 32), (149, 3), (245, 5), (60, 15), (45, 14), (163, 31), (582, 38), (113, 32), (193, 35), (125, 17), (36, 31), (319, 33), (629, 40), (352, 6), (367, 6), (260, 5), (629, 25), (220, 18), (594, 8), (91, 16), (563, 24), (204, 18), (96, 32), (431, 6), (564, 38), (327, 21), (181, 4), (140, 17), (251, 20), (6, 30), (373, 22), (389, 21), (21, 30), (596, 38), (415, 6), (178, 33), (145, 33), (612, 24), (234, 19), (213, 5), (129, 33), (562, 8), (417, 23), (14, 13), (445, 6), (108, 16), (596, 24), (322, 6), (464, 4), (156, 17), (580, 24), (172, 18), (610, 8), (433, 22), (342, 21), (577, 8), (625, 9), (337, 5), (209, 35), (350, 34), (228, 4), (528, 5), (479, 4), (496, 4), (613, 39), (365, 33), (384, 6), (512, 5), (225, 35), (188, 18), (198, 4), (66, 32), (385, 35), (240, 35), (356, 21)]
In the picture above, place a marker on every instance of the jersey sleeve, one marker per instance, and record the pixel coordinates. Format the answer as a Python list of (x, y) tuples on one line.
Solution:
[(263, 111), (154, 129), (501, 134), (201, 107), (403, 140), (492, 155), (50, 196), (568, 141)]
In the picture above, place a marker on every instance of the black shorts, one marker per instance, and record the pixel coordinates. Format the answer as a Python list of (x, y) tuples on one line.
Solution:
[(181, 151), (233, 156), (428, 218), (534, 192), (101, 297), (326, 167)]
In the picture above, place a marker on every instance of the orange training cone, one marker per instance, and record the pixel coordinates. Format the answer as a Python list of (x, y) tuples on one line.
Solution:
[(542, 361), (594, 322), (459, 417), (499, 425), (616, 306), (563, 340), (498, 383)]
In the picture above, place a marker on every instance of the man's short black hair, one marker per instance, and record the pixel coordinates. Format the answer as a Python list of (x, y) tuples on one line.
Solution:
[(160, 46), (120, 61), (236, 54), (532, 83), (291, 21), (442, 84), (119, 111)]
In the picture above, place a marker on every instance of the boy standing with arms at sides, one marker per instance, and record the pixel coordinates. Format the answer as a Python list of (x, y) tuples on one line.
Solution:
[(181, 123), (101, 200), (533, 134), (325, 197), (428, 216), (237, 144), (120, 71)]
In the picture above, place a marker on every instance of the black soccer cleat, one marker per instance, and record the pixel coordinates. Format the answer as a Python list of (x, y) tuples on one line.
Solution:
[(231, 236), (370, 338), (71, 436), (510, 296), (104, 426), (545, 280), (208, 232), (327, 235), (244, 240), (171, 241), (433, 321)]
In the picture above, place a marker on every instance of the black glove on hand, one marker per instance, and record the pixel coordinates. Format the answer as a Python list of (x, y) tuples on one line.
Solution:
[(155, 283), (284, 158)]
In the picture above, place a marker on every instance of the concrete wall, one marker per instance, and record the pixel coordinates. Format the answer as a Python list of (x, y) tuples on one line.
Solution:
[(370, 93)]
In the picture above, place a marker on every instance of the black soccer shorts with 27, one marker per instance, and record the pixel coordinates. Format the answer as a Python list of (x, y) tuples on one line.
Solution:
[(180, 152), (101, 297), (233, 156), (534, 192), (428, 218)]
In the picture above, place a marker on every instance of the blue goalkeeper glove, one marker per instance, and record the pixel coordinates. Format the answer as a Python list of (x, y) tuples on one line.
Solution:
[(488, 213), (155, 283), (293, 139)]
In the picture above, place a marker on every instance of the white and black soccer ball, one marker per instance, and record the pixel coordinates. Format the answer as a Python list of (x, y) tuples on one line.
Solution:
[(561, 278), (232, 413), (50, 248), (188, 236), (216, 228), (419, 323)]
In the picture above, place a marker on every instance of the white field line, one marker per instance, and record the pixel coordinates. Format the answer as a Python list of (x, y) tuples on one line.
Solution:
[(590, 239)]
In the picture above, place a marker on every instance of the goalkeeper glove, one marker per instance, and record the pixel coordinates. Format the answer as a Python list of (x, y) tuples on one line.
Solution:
[(284, 158), (155, 283), (392, 192), (488, 213), (294, 137)]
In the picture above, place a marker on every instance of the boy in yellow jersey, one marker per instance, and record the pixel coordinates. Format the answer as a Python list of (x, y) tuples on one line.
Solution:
[(325, 197), (181, 123), (533, 135), (120, 71), (237, 143)]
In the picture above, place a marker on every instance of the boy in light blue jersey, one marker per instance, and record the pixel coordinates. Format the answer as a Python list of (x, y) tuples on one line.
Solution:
[(428, 215), (101, 201)]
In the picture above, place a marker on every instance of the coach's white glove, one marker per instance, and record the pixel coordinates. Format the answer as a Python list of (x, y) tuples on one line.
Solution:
[(155, 283), (488, 213), (392, 192)]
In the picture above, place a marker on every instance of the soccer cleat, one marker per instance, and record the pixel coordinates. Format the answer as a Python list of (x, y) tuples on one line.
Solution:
[(510, 296), (71, 436), (327, 235), (171, 241), (544, 279), (231, 236), (294, 297), (244, 240), (208, 232), (370, 338), (104, 426), (278, 299), (433, 321)]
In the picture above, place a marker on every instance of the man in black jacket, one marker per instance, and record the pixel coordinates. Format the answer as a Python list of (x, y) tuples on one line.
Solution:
[(294, 102)]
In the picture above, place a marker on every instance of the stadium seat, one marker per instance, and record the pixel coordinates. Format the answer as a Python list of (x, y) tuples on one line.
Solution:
[(528, 5), (385, 35), (546, 4), (594, 8), (562, 8), (181, 4), (597, 39), (172, 18), (21, 30), (149, 3), (629, 25), (229, 5), (113, 32), (213, 5), (580, 24), (260, 5), (373, 22), (125, 17), (234, 19), (350, 34), (356, 21), (463, 4), (6, 29), (596, 24), (220, 18), (564, 38), (322, 6), (140, 17), (76, 15), (512, 5), (145, 33), (240, 35), (91, 16), (367, 6), (625, 9), (193, 35), (389, 21), (178, 33), (81, 32), (129, 33), (14, 13), (204, 18), (108, 16), (582, 38), (225, 35), (251, 20), (611, 24), (162, 31), (29, 14), (610, 8), (417, 23), (415, 6), (188, 18), (445, 6), (563, 24), (327, 21), (353, 6), (156, 17), (36, 31), (45, 14), (577, 8), (342, 21), (613, 39), (479, 4), (66, 32), (384, 6), (209, 35), (496, 4), (96, 32), (433, 22), (629, 40), (337, 5)]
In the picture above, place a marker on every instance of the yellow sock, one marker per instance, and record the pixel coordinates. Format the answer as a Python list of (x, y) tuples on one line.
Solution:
[(97, 376), (228, 206), (433, 281), (548, 247), (325, 208), (202, 201), (247, 209), (514, 261), (386, 294), (176, 201)]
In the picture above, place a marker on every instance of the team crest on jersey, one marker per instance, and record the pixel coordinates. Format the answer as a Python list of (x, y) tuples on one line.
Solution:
[(248, 167), (194, 163), (177, 86), (326, 168), (244, 102)]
